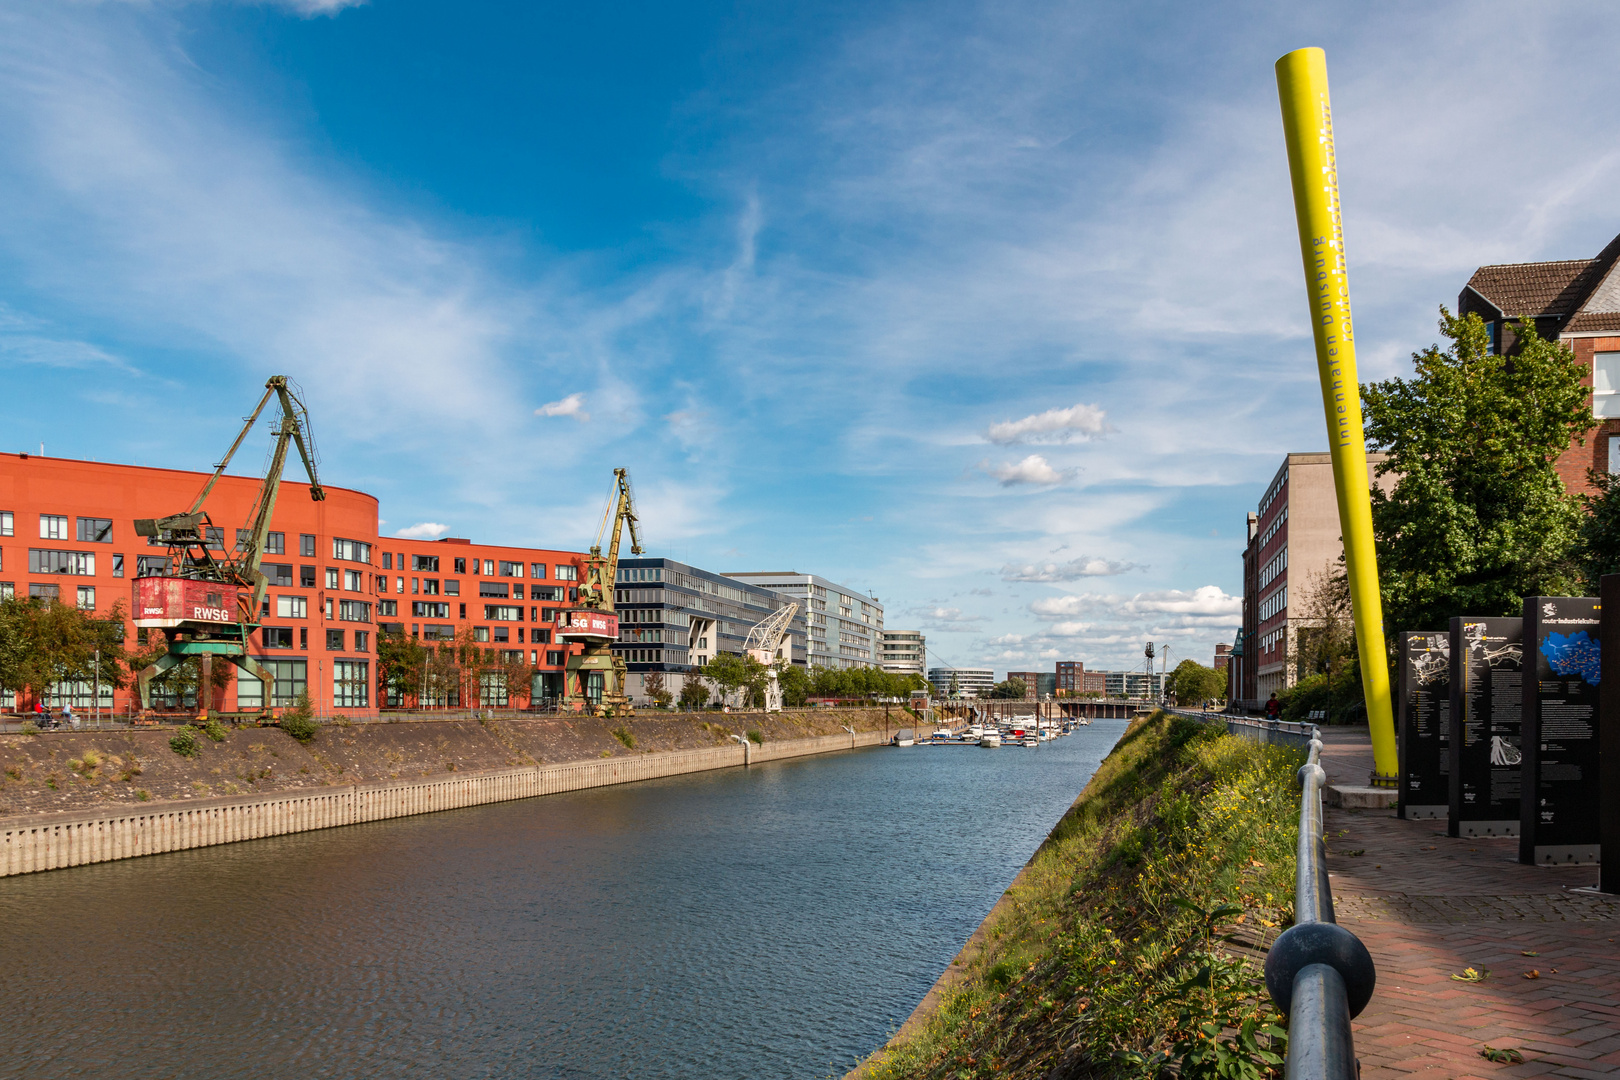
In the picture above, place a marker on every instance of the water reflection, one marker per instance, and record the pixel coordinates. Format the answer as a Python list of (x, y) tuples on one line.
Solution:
[(774, 922)]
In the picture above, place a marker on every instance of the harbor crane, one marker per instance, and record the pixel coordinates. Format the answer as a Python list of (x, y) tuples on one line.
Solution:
[(594, 680), (206, 598), (766, 643)]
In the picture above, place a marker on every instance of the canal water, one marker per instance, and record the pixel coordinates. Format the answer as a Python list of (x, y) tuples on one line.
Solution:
[(778, 921)]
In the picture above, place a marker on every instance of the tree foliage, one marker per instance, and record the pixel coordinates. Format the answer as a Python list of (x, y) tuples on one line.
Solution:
[(44, 642), (795, 682), (862, 682), (1600, 532), (1478, 518), (1013, 689), (1192, 682)]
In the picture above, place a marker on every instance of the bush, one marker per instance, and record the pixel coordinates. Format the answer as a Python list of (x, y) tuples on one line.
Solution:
[(694, 694), (756, 738), (184, 741), (215, 730), (299, 721), (30, 728), (625, 736)]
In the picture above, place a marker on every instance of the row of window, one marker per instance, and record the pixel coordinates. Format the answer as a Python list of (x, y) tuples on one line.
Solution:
[(281, 637), (1278, 563), (1271, 530), (1274, 603), (1273, 491), (489, 567)]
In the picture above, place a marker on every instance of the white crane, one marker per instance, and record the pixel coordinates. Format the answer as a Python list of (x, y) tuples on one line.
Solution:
[(764, 644)]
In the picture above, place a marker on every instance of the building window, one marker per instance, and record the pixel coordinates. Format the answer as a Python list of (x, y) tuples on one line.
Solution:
[(292, 607), (290, 684), (118, 566), (351, 550), (452, 587), (354, 611), (8, 523), (8, 591), (362, 641), (1605, 385), (505, 612), (480, 633), (62, 562), (53, 527), (567, 573), (494, 588), (503, 633), (537, 570), (95, 530), (463, 614), (1614, 453), (303, 638), (331, 577), (334, 641), (354, 581), (44, 592), (540, 637), (427, 609), (87, 598), (461, 566), (510, 569), (399, 585), (306, 545), (430, 586), (277, 637), (554, 657), (151, 565), (492, 688), (388, 560), (388, 607), (416, 586), (430, 563), (431, 632), (278, 575)]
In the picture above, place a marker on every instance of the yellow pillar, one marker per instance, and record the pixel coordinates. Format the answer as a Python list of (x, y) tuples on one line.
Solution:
[(1308, 128)]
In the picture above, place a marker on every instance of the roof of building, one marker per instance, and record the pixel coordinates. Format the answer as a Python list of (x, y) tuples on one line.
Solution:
[(1585, 293)]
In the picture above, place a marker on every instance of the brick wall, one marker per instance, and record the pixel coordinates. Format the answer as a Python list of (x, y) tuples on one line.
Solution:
[(1594, 452)]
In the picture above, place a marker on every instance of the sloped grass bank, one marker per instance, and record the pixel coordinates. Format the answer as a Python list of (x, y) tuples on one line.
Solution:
[(1125, 948)]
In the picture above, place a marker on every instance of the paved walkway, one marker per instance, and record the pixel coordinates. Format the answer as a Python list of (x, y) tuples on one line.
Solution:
[(1428, 907)]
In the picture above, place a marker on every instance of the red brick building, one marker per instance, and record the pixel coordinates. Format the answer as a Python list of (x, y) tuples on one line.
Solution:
[(1576, 302), (67, 532)]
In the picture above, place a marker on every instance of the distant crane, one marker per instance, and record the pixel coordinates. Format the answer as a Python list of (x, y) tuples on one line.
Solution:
[(207, 604), (595, 679), (765, 642)]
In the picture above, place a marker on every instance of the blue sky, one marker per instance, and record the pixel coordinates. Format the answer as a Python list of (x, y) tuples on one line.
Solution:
[(993, 310)]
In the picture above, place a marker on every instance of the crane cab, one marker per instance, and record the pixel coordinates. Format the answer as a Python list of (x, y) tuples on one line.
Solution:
[(587, 625), (168, 602)]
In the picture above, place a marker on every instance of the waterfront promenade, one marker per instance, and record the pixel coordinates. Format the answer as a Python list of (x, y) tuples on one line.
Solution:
[(1428, 907)]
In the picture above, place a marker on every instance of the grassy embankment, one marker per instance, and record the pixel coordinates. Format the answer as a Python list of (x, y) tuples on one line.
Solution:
[(1124, 948)]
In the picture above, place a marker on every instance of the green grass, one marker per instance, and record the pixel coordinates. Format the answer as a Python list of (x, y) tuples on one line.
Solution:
[(625, 736), (1108, 960)]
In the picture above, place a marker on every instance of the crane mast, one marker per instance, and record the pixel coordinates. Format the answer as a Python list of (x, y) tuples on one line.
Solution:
[(594, 680), (765, 645), (208, 606)]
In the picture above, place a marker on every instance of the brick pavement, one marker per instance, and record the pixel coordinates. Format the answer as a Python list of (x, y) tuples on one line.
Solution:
[(1427, 907)]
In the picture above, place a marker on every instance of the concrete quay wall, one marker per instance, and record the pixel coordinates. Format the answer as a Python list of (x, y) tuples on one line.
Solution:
[(35, 842)]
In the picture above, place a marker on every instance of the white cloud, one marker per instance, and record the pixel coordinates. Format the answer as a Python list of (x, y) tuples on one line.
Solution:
[(424, 530), (572, 405), (1032, 470), (1052, 426), (1174, 608), (1073, 570)]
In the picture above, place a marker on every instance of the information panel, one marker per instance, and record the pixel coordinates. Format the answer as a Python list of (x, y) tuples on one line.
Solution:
[(1423, 712), (1558, 815), (1487, 702)]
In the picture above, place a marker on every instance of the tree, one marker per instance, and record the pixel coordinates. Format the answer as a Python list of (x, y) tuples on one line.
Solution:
[(1478, 518), (1600, 532), (1011, 688), (728, 672), (653, 685), (44, 642), (1192, 682), (695, 691), (795, 683)]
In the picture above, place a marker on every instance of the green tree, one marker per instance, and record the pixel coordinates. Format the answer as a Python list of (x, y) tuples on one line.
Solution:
[(1192, 682), (402, 662), (653, 685), (695, 691), (43, 642), (1600, 532), (1478, 518), (728, 672), (1011, 688), (795, 683)]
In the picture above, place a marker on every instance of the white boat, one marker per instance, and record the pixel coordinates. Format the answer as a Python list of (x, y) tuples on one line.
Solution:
[(990, 737), (1031, 739), (944, 734), (904, 737), (975, 732)]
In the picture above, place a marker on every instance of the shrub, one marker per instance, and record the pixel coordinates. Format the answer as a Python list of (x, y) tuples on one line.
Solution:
[(142, 794), (299, 721), (184, 741), (756, 738), (215, 730), (625, 736), (30, 728)]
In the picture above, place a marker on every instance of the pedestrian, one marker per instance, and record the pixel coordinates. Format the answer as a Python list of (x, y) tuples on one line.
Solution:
[(1273, 707)]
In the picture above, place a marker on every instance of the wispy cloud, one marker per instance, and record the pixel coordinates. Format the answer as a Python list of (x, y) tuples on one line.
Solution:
[(1077, 422), (572, 405), (1073, 570), (424, 530)]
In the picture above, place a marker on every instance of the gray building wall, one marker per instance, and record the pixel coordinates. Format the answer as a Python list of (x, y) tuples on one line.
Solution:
[(845, 627)]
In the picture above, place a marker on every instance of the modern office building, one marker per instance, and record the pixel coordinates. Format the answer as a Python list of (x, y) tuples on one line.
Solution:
[(1073, 680), (905, 652), (1134, 685), (1038, 685), (1293, 548), (969, 682), (1223, 657), (67, 533), (846, 628), (675, 618)]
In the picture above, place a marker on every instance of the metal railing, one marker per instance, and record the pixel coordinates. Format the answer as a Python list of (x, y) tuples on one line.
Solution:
[(1319, 974)]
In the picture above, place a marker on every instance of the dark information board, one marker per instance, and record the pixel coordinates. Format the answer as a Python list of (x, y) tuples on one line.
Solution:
[(1558, 805), (1609, 740), (1487, 701), (1424, 719)]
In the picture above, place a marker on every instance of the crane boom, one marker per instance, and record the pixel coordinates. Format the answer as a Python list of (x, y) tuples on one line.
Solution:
[(602, 571)]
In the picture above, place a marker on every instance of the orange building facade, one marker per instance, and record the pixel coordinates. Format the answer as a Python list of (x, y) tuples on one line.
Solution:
[(67, 534)]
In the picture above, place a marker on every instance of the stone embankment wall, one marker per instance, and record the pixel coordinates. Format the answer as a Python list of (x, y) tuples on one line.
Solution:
[(106, 825)]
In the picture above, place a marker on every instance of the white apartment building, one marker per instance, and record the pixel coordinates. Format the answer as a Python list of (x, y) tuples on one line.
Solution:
[(846, 628), (971, 682), (905, 652)]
